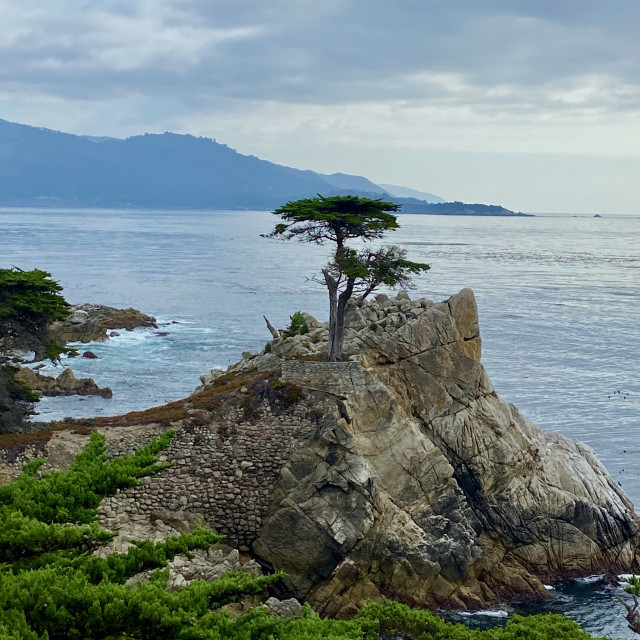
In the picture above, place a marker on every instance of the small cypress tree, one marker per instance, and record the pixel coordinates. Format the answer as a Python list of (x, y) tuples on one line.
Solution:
[(29, 301)]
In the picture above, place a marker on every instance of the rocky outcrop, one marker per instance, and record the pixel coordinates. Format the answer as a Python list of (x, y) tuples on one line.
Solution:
[(66, 384), (425, 486), (398, 473), (89, 322)]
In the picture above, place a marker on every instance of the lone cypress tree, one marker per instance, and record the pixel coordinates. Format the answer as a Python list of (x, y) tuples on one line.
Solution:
[(350, 272)]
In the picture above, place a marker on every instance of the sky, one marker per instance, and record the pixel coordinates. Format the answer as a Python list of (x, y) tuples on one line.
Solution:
[(531, 104)]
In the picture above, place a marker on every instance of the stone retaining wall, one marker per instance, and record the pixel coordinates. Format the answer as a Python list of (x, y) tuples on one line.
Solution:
[(339, 378), (222, 467), (224, 470)]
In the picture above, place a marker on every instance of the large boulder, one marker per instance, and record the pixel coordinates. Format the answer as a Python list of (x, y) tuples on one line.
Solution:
[(398, 473), (89, 322), (427, 487), (66, 384)]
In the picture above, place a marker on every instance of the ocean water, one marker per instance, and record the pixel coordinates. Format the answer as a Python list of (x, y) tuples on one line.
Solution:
[(558, 298)]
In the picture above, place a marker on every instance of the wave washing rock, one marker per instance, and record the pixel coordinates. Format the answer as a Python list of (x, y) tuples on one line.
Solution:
[(396, 474), (89, 322)]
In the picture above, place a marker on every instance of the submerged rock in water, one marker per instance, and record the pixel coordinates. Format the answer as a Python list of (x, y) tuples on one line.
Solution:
[(89, 322), (66, 384), (398, 473)]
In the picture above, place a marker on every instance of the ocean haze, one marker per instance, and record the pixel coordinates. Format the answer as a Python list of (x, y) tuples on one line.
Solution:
[(406, 192), (44, 167)]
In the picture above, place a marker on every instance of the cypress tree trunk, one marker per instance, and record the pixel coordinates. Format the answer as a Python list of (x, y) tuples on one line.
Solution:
[(336, 341), (332, 286), (334, 338)]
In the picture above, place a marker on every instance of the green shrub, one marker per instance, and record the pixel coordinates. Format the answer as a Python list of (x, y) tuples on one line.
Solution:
[(398, 620), (29, 300), (292, 394), (51, 350), (288, 393), (53, 587), (224, 379), (548, 626), (298, 325)]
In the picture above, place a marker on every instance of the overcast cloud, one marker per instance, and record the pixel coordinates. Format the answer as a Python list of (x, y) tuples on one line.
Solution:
[(531, 104)]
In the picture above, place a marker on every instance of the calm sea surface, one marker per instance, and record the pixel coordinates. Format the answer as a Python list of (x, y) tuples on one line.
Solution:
[(558, 297)]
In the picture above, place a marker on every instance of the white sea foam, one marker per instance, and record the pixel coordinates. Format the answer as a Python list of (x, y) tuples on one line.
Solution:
[(590, 579), (486, 613)]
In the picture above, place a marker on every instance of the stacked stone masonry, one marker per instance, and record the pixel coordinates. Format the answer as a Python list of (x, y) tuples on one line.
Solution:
[(338, 378), (225, 470)]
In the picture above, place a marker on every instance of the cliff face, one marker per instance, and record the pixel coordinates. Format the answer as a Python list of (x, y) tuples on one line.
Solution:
[(430, 488), (399, 473)]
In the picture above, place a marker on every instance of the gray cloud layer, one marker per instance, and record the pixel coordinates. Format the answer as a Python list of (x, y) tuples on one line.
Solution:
[(326, 51), (320, 51), (506, 76)]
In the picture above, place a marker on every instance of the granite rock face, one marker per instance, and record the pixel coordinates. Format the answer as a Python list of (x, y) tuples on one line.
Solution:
[(427, 487), (89, 322), (66, 384), (398, 473)]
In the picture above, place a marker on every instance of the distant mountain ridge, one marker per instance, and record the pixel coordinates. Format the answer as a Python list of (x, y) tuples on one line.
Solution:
[(43, 167), (406, 192), (358, 183)]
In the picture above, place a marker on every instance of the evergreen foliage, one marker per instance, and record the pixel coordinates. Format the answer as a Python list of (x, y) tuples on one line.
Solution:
[(29, 300), (53, 587), (31, 293), (298, 325), (336, 219), (397, 620), (339, 219), (51, 350)]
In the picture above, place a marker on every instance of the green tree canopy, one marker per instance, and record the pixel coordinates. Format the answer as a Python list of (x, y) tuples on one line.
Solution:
[(31, 293), (336, 219), (29, 300), (350, 272)]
